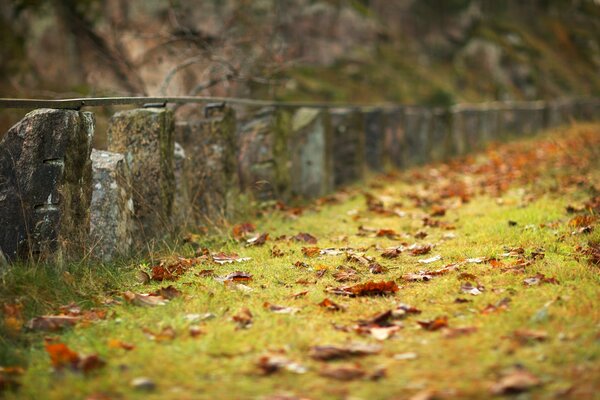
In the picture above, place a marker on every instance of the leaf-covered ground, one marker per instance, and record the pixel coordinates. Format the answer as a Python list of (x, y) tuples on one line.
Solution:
[(463, 280)]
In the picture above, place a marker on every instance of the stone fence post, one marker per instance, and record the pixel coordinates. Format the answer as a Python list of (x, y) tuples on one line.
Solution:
[(417, 125), (310, 147), (45, 185), (263, 157), (209, 141), (374, 138), (348, 146), (394, 137), (145, 137)]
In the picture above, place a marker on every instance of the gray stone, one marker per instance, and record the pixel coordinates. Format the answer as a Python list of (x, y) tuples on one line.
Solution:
[(209, 142), (374, 138), (348, 146), (111, 211), (263, 157), (145, 136), (417, 125), (45, 184), (394, 137), (182, 204), (440, 137), (310, 143)]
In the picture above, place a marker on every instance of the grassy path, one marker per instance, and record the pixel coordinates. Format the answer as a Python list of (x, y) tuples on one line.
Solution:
[(483, 282)]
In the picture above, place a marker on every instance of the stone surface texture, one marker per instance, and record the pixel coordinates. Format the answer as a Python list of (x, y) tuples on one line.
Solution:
[(111, 212), (310, 142), (145, 137), (417, 124), (394, 137), (263, 156), (374, 139), (211, 172), (45, 184), (348, 146)]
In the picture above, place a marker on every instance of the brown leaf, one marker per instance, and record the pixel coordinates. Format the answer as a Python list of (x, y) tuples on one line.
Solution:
[(62, 356), (164, 335), (170, 272), (582, 221), (434, 324), (243, 318), (145, 300), (331, 306), (280, 309), (418, 250), (331, 352), (444, 270), (271, 363), (299, 294), (240, 231), (539, 278), (461, 331), (305, 238), (168, 292), (117, 344), (276, 252), (90, 363), (518, 381), (501, 305), (469, 288), (257, 240), (237, 276), (376, 268), (345, 274), (195, 331), (388, 233), (52, 322), (343, 372), (311, 251), (392, 252), (370, 288), (529, 335)]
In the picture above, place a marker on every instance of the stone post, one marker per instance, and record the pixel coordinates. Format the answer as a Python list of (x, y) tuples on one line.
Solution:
[(394, 137), (111, 211), (263, 157), (145, 137), (417, 125), (348, 146), (209, 142), (440, 138), (45, 185), (310, 147), (374, 138)]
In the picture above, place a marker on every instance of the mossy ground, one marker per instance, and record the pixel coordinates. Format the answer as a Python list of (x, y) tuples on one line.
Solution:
[(547, 174)]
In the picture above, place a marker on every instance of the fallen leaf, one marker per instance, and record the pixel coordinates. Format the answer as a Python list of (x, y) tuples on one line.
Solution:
[(222, 258), (343, 372), (62, 356), (430, 259), (530, 335), (237, 276), (392, 252), (469, 288), (145, 300), (370, 288), (195, 331), (240, 231), (305, 238), (243, 318), (419, 277), (311, 251), (13, 319), (299, 294), (257, 240), (418, 250), (460, 331), (166, 334), (280, 309), (117, 344), (539, 278), (331, 352), (52, 322), (331, 306), (276, 252), (434, 324), (168, 292), (271, 363), (331, 252), (517, 381)]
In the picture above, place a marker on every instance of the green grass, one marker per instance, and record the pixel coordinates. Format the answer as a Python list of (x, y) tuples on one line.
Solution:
[(221, 363)]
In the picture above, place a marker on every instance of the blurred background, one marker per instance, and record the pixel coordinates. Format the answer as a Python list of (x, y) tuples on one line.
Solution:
[(408, 51)]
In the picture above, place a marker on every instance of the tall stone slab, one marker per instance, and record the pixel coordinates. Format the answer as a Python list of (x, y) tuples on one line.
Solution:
[(394, 137), (263, 157), (145, 137), (509, 124), (310, 146), (45, 185), (209, 142), (111, 211), (374, 138), (182, 204), (440, 138), (348, 146), (417, 125)]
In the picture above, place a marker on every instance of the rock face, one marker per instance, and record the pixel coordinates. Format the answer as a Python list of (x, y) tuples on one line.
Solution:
[(310, 145), (374, 139), (45, 184), (211, 172), (417, 123), (263, 157), (111, 212), (348, 146), (145, 137)]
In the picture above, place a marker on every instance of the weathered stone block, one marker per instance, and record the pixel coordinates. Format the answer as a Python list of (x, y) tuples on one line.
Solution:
[(374, 138), (440, 137), (509, 126), (45, 184), (263, 157), (394, 137), (417, 125), (111, 211), (348, 146), (182, 203), (209, 142), (310, 147), (145, 137)]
